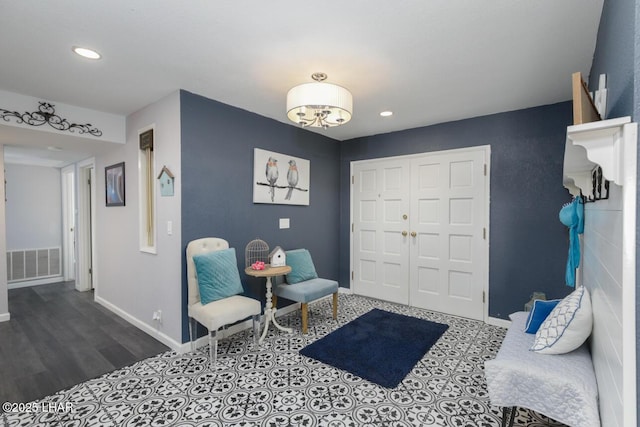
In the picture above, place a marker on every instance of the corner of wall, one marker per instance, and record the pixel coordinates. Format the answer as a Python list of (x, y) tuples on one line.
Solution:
[(4, 295)]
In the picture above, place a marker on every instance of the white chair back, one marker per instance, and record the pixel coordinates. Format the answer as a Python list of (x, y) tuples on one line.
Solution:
[(197, 247)]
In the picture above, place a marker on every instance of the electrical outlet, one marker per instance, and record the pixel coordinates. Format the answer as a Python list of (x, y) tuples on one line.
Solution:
[(157, 315)]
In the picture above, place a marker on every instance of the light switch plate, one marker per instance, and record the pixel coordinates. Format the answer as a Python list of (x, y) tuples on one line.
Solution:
[(284, 223)]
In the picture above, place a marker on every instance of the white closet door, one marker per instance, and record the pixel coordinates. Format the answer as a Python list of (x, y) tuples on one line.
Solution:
[(449, 253), (381, 251)]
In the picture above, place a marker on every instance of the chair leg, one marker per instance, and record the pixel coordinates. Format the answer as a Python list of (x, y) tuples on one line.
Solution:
[(191, 327), (213, 348), (508, 412), (305, 316), (256, 329), (274, 301), (335, 306)]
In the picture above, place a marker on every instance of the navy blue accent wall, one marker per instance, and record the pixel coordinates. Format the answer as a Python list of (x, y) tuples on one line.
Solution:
[(618, 56), (217, 187), (528, 244), (614, 56)]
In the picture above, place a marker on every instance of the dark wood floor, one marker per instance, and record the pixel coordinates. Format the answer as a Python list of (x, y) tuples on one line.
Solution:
[(58, 337)]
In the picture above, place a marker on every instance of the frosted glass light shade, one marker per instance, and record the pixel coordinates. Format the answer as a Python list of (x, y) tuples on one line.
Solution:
[(319, 105)]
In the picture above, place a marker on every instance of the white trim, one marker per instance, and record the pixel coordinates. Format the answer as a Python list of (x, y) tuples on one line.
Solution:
[(5, 317), (347, 291), (69, 209), (142, 193), (233, 329), (86, 256), (163, 338), (36, 282), (494, 321), (629, 245)]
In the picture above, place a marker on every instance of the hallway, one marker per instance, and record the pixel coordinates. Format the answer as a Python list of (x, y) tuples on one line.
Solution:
[(58, 337)]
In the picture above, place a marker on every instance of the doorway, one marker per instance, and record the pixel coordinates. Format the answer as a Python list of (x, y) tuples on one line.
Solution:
[(420, 230), (86, 226), (68, 175)]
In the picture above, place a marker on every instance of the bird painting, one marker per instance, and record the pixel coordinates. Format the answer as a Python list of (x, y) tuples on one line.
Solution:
[(277, 185), (272, 176), (292, 178)]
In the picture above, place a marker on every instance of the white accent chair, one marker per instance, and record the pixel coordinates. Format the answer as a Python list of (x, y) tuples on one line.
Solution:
[(216, 314)]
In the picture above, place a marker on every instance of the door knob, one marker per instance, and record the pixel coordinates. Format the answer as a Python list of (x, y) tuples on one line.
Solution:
[(413, 234), (404, 233)]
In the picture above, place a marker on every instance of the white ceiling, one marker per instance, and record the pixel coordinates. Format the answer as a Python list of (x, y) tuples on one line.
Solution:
[(429, 61)]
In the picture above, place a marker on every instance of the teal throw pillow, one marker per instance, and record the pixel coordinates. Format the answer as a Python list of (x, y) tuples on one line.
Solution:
[(302, 267), (218, 275), (538, 314)]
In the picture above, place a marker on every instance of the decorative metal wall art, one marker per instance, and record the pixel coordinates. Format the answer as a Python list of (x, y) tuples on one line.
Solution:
[(47, 114)]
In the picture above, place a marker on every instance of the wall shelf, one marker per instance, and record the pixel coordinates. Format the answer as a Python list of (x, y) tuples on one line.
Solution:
[(595, 144)]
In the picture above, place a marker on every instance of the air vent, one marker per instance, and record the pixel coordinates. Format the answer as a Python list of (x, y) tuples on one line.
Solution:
[(30, 264)]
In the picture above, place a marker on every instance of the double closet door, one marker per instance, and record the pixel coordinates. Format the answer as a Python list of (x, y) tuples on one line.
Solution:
[(420, 230)]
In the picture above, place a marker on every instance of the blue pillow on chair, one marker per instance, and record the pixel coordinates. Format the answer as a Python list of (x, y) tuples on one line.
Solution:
[(301, 264), (538, 314), (218, 275)]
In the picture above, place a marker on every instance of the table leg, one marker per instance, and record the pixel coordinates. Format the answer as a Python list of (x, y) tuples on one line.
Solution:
[(270, 313)]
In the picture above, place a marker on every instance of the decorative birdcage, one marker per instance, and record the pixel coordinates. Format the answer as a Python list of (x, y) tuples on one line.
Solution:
[(256, 250)]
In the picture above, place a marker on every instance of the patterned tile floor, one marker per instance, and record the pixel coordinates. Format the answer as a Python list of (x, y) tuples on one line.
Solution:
[(275, 386)]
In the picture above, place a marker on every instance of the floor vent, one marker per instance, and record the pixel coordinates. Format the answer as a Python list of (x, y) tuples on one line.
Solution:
[(33, 264)]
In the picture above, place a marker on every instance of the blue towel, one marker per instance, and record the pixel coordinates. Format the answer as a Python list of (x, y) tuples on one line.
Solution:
[(572, 215)]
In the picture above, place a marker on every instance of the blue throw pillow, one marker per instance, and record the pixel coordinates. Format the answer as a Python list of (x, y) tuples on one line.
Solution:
[(538, 314), (218, 275), (567, 326), (302, 267)]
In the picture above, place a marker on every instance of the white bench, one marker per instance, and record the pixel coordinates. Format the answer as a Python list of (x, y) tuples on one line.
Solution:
[(562, 387)]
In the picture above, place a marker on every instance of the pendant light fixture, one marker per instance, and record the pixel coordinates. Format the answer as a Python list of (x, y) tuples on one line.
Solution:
[(319, 104)]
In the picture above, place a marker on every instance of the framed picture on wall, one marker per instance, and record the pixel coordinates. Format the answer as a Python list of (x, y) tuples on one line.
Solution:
[(114, 184), (280, 178)]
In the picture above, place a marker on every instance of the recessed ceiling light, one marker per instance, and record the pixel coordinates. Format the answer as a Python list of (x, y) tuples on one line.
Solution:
[(86, 53), (386, 113), (54, 148)]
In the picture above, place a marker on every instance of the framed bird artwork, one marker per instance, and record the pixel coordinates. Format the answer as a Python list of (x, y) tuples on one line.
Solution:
[(280, 178)]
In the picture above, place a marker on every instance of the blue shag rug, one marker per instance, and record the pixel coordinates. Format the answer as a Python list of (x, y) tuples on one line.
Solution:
[(379, 346)]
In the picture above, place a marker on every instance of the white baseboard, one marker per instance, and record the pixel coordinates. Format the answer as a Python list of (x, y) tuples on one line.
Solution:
[(247, 324), (342, 290), (35, 282), (163, 338), (200, 342), (4, 317), (494, 321)]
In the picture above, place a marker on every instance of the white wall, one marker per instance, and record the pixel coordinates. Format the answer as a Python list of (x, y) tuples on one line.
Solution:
[(33, 207), (603, 275), (111, 125), (130, 282), (4, 296)]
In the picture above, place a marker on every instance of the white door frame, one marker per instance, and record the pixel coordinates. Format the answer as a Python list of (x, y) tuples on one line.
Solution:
[(487, 150), (67, 177), (86, 188)]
